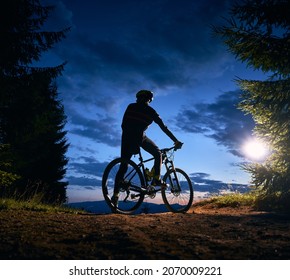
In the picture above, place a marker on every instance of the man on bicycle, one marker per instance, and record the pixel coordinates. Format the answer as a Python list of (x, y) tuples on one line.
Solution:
[(137, 118)]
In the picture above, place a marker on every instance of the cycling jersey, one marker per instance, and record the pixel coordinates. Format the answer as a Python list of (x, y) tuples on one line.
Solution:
[(137, 118)]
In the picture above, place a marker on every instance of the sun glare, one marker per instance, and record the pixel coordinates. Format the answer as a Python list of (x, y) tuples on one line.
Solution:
[(255, 149)]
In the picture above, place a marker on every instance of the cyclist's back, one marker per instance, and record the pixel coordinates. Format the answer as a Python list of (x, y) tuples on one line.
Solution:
[(136, 120)]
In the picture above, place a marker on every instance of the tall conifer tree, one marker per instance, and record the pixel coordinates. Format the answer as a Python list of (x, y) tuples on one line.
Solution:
[(32, 118), (259, 34)]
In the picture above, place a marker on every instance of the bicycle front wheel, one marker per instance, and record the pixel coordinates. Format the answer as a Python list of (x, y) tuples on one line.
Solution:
[(178, 196), (130, 196)]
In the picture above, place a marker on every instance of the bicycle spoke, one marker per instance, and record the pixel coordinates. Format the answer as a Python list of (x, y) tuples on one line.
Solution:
[(179, 196), (128, 199)]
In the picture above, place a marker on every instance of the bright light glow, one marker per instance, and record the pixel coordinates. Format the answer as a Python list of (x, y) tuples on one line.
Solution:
[(255, 149)]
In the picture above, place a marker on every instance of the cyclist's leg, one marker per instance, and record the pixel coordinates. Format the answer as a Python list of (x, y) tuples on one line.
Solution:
[(125, 154), (149, 146)]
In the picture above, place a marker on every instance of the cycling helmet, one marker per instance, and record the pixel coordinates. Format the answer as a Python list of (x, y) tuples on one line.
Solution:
[(144, 95)]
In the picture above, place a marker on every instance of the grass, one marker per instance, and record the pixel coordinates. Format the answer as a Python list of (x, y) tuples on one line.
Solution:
[(34, 205), (257, 200), (229, 200), (232, 200)]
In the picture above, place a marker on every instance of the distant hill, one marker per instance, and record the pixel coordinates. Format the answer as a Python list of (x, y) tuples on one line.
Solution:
[(101, 207), (201, 191)]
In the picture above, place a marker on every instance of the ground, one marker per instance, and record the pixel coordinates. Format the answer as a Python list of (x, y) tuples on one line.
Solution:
[(203, 233)]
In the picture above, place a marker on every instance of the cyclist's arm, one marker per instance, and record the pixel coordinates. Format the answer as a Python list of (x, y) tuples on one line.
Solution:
[(164, 128)]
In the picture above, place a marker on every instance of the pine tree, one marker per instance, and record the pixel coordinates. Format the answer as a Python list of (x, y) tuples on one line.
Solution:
[(259, 34), (32, 118)]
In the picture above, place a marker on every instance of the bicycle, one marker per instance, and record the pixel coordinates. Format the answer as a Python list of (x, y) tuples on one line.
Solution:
[(177, 195)]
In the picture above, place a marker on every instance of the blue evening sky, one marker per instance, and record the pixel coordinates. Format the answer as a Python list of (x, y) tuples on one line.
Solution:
[(117, 47)]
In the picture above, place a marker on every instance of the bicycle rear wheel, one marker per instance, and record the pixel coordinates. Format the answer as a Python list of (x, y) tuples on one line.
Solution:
[(178, 196), (130, 196)]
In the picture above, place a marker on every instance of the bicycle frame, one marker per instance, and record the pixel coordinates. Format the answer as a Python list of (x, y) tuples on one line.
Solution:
[(141, 165), (176, 191)]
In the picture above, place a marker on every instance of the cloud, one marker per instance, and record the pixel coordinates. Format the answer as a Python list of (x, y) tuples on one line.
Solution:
[(221, 121), (88, 166), (101, 129), (135, 44), (202, 183), (86, 172), (86, 183), (152, 43), (61, 17)]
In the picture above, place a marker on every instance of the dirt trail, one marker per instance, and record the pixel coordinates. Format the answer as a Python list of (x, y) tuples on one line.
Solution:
[(203, 233)]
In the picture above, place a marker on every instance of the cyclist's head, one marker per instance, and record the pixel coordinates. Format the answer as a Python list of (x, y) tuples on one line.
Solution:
[(144, 96)]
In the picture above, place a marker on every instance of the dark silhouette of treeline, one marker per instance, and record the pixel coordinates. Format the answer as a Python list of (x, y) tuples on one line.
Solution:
[(32, 119), (258, 34)]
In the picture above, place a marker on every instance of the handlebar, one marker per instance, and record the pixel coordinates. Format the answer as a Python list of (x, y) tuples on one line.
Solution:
[(172, 148)]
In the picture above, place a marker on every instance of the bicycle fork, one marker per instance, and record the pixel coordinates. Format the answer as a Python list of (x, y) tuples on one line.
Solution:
[(174, 182)]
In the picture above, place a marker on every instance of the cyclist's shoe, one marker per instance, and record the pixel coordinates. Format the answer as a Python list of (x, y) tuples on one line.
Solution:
[(158, 182), (114, 200)]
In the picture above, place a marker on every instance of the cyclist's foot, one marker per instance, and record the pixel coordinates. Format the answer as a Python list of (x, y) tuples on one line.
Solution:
[(114, 200), (158, 182)]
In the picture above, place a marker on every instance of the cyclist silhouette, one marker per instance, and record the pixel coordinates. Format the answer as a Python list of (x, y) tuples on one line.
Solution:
[(137, 118)]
